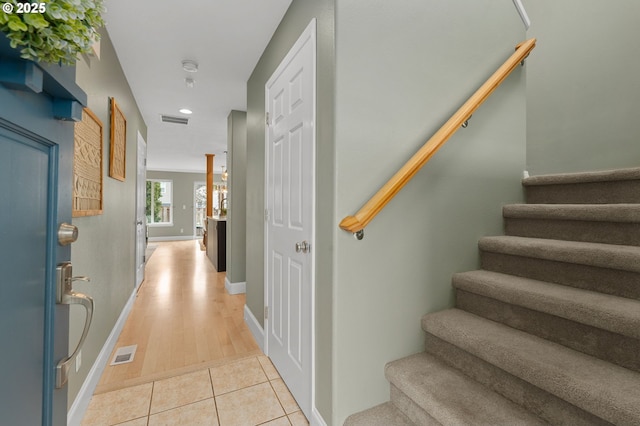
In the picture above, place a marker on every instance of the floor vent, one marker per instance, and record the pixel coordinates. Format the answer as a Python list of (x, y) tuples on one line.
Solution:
[(124, 355), (175, 120)]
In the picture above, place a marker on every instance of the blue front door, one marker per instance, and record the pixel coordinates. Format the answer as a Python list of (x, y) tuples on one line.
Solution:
[(35, 198)]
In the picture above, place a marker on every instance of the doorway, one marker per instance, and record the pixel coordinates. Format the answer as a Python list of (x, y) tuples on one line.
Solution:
[(141, 204), (199, 208)]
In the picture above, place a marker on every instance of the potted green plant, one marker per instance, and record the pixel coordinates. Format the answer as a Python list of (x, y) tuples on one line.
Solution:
[(52, 31)]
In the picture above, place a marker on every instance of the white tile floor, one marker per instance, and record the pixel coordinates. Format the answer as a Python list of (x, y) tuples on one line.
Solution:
[(247, 392)]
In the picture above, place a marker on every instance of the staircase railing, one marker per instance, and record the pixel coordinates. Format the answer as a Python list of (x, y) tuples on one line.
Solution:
[(385, 194)]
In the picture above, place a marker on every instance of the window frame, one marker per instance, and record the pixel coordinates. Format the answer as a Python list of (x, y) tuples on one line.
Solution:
[(171, 209)]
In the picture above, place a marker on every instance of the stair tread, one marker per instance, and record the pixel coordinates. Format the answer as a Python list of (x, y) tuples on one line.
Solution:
[(381, 415), (625, 213), (603, 389), (610, 256), (451, 397), (616, 314), (583, 177)]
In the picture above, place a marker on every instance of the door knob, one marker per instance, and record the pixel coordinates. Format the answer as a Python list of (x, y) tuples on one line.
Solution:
[(67, 234), (303, 247)]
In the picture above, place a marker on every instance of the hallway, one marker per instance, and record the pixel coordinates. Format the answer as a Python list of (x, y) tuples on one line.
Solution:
[(196, 361), (182, 319)]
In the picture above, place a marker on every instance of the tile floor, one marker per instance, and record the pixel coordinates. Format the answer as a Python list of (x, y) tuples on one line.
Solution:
[(247, 392)]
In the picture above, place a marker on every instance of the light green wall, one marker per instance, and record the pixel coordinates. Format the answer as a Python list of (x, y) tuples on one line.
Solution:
[(183, 214), (237, 196), (294, 22), (387, 86), (583, 90), (402, 69), (105, 250)]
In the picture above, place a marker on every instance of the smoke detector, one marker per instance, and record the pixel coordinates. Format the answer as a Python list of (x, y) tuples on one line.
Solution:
[(190, 66)]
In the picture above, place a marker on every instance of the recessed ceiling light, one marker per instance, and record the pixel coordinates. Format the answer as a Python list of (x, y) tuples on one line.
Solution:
[(186, 111), (190, 66)]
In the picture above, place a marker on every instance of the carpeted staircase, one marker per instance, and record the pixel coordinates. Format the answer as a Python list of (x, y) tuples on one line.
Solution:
[(548, 332)]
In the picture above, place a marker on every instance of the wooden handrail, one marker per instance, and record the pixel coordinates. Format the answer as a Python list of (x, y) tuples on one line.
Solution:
[(361, 219)]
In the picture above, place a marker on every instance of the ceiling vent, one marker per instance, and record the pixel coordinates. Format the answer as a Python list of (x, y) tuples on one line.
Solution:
[(175, 120)]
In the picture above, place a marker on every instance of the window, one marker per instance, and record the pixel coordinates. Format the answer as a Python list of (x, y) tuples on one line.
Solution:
[(159, 202)]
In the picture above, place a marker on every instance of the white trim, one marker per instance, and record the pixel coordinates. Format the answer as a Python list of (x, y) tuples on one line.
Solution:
[(171, 170), (254, 327), (178, 238), (141, 188), (195, 211), (523, 13), (161, 224), (235, 288), (316, 418), (81, 403)]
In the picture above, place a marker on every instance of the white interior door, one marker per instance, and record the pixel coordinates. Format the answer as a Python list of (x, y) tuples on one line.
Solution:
[(290, 203), (141, 219)]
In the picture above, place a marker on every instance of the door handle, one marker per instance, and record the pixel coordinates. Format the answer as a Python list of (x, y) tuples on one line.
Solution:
[(303, 247), (67, 296)]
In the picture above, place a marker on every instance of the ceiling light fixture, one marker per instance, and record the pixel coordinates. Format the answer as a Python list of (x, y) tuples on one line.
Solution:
[(225, 171), (186, 111), (190, 66)]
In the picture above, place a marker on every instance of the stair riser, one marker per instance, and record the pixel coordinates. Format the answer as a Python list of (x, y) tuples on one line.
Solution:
[(570, 230), (381, 415), (612, 347), (545, 405), (410, 409), (607, 281), (616, 192)]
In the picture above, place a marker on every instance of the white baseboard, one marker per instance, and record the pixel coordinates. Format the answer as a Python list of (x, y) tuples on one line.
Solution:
[(176, 238), (254, 326), (316, 418), (258, 333), (80, 404), (235, 288)]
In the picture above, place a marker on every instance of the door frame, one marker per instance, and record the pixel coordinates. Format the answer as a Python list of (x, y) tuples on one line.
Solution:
[(308, 35), (196, 184), (141, 188)]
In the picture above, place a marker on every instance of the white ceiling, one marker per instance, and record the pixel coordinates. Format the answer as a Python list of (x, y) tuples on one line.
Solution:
[(225, 37)]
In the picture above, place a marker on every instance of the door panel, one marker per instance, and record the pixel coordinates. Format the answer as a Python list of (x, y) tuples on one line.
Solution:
[(296, 183), (23, 164), (277, 182), (295, 303), (277, 292), (290, 203)]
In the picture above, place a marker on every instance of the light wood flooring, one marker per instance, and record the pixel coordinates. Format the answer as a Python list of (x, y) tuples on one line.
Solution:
[(182, 320)]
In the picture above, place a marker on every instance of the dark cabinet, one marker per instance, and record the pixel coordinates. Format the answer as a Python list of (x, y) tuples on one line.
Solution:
[(217, 243)]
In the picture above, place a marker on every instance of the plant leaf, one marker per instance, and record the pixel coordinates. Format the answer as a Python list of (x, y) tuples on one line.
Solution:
[(35, 20)]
